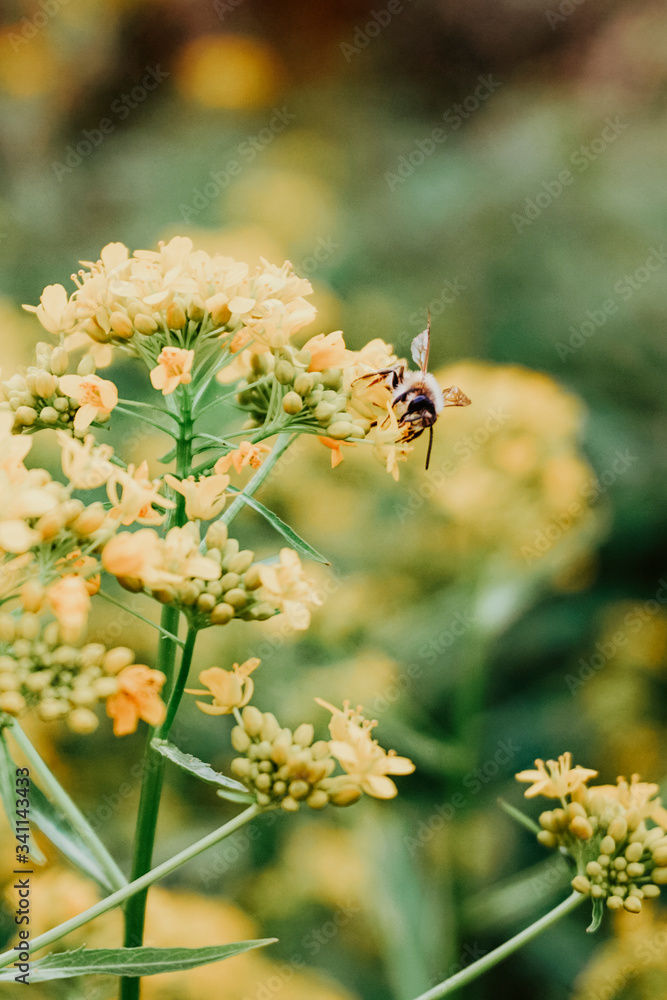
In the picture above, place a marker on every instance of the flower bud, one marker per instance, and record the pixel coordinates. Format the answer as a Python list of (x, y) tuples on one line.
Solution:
[(618, 829), (633, 852), (216, 535), (26, 416), (12, 702), (635, 869), (241, 562), (292, 403), (345, 796), (660, 855), (614, 902), (222, 613), (59, 361), (607, 845), (121, 324), (303, 734), (176, 318), (116, 659), (284, 372), (317, 799), (632, 904), (145, 324), (340, 429), (303, 384), (45, 384), (236, 597), (82, 720), (90, 519), (581, 828), (252, 579), (252, 720), (49, 415), (650, 891)]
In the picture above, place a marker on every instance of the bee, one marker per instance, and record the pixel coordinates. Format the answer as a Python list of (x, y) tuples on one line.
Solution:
[(417, 399)]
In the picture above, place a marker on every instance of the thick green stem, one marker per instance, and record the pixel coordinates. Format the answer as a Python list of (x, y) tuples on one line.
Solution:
[(57, 794), (151, 787), (129, 891), (482, 965), (179, 684)]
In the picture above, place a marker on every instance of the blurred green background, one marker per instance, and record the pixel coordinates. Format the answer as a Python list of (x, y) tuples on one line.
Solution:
[(501, 163)]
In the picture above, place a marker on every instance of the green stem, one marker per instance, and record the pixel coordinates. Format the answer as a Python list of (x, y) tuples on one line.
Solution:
[(148, 406), (179, 685), (151, 787), (482, 965), (283, 442), (142, 618), (131, 889), (57, 794)]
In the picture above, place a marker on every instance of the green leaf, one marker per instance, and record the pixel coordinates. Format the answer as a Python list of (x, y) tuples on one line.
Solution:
[(8, 795), (47, 818), (227, 787), (168, 456), (598, 913), (128, 961), (518, 816), (284, 529)]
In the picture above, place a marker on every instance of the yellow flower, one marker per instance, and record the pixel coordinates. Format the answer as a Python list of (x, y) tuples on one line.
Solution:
[(13, 448), (557, 779), (230, 688), (285, 586), (246, 454), (86, 465), (639, 795), (137, 697), (360, 755), (158, 562), (172, 369), (55, 312), (96, 397), (336, 452), (389, 447), (204, 499), (137, 496), (328, 351), (70, 602)]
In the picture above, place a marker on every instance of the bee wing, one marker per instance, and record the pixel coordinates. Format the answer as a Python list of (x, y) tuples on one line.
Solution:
[(421, 346), (454, 397)]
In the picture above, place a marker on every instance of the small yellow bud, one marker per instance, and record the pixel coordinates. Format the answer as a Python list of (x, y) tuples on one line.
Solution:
[(635, 869), (86, 366), (252, 720), (317, 799), (289, 804), (252, 579), (12, 702), (284, 372), (345, 796), (45, 384), (633, 852), (650, 891), (581, 828), (340, 429), (49, 415), (145, 324), (620, 864), (292, 403), (196, 308), (614, 902), (121, 325), (26, 416), (659, 876), (581, 884), (618, 829), (240, 740), (632, 904), (222, 613), (216, 535), (116, 659), (607, 845), (236, 597), (547, 839), (176, 318), (59, 361), (660, 855), (82, 720), (303, 734), (303, 384), (90, 519), (299, 789), (241, 562), (324, 412), (593, 868), (8, 627), (206, 603)]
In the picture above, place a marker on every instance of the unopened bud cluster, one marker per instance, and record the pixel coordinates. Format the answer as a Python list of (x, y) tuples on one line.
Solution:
[(233, 594), (316, 398), (623, 861), (60, 681), (284, 768), (35, 397)]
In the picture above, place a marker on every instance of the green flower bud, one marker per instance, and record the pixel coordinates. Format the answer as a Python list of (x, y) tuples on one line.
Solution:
[(607, 845), (581, 884), (289, 804), (317, 799), (48, 415), (340, 429), (303, 383), (145, 324), (284, 372), (323, 412), (303, 734), (236, 597), (59, 361), (26, 416), (86, 366), (633, 852), (660, 855), (632, 904), (229, 580), (614, 902), (650, 891), (241, 562)]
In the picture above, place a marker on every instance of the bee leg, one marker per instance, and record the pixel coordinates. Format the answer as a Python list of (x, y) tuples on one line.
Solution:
[(430, 445)]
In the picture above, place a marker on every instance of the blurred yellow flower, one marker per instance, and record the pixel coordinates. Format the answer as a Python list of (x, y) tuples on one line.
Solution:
[(70, 602), (96, 397), (137, 697), (137, 496), (228, 71), (328, 351), (246, 454), (285, 585), (87, 465)]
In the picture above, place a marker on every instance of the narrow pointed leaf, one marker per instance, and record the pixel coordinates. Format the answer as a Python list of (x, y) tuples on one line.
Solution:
[(598, 913), (168, 456), (128, 961), (228, 788), (284, 529), (518, 816)]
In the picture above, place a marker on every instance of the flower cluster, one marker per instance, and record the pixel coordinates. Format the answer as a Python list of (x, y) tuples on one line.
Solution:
[(213, 586), (283, 767), (616, 834), (46, 396), (39, 670), (150, 300)]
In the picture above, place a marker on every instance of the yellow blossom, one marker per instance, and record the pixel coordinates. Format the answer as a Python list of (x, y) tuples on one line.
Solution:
[(70, 602), (158, 562), (96, 397), (557, 779), (87, 465), (54, 311), (639, 795), (360, 755), (336, 452), (137, 496), (13, 448), (137, 697), (285, 586), (327, 351), (205, 498), (389, 446), (172, 369), (247, 453), (230, 688)]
